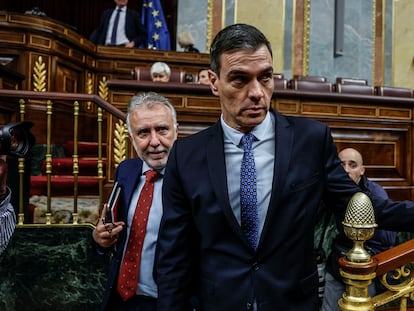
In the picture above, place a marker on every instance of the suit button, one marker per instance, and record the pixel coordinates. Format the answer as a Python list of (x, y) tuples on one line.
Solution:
[(256, 266)]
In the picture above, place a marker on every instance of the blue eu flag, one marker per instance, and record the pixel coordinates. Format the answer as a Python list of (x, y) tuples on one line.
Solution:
[(154, 21)]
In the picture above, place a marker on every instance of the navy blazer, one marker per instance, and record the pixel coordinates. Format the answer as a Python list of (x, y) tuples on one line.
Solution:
[(134, 30), (127, 174), (202, 249)]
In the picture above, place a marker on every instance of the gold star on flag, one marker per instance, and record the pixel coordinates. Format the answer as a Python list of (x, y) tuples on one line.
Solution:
[(158, 24), (150, 4), (150, 46), (156, 36), (155, 13)]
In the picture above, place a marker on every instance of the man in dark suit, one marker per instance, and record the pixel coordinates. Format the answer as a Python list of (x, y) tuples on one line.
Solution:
[(382, 240), (122, 30), (152, 126), (234, 247)]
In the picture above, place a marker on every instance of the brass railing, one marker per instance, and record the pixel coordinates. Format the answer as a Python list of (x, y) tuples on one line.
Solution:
[(394, 267), (97, 107)]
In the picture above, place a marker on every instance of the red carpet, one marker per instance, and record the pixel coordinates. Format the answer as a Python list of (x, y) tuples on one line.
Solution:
[(62, 180), (63, 185)]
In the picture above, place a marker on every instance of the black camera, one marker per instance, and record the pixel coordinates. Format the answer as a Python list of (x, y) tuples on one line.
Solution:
[(16, 138)]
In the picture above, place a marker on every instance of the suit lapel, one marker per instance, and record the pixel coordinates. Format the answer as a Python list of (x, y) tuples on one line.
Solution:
[(131, 182), (217, 172), (283, 150)]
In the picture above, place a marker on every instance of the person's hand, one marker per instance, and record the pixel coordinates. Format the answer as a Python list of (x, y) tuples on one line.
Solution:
[(130, 44), (105, 233), (3, 175)]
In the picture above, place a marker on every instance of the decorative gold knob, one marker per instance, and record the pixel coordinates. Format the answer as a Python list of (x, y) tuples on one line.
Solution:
[(359, 226)]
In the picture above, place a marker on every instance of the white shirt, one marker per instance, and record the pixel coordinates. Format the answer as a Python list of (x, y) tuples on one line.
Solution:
[(264, 154), (121, 37)]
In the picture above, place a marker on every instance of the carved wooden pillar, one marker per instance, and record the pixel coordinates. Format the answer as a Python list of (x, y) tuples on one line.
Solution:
[(214, 20), (379, 41), (300, 57)]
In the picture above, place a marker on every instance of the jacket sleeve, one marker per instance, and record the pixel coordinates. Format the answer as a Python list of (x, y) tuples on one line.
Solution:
[(135, 30), (175, 256)]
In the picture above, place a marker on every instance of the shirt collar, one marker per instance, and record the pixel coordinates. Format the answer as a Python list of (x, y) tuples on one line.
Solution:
[(259, 131), (146, 168), (123, 9)]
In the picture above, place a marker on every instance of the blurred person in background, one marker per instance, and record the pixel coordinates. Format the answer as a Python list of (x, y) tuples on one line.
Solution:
[(160, 72)]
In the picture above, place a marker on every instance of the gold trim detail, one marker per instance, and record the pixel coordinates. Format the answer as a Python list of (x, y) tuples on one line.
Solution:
[(89, 90), (306, 37), (75, 161), (405, 274), (21, 169), (374, 23), (119, 143), (39, 75), (48, 159), (103, 89), (100, 161), (403, 290), (209, 24)]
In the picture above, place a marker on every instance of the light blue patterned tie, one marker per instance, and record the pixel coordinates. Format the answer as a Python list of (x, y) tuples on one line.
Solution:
[(248, 192)]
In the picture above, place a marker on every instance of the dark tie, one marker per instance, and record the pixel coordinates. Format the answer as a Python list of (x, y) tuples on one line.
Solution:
[(115, 27), (129, 271), (248, 192)]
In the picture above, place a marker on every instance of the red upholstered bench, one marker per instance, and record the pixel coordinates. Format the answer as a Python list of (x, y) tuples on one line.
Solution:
[(63, 185), (85, 149), (64, 166)]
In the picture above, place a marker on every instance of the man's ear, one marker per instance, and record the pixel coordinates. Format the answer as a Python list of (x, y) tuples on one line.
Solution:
[(176, 130), (213, 81)]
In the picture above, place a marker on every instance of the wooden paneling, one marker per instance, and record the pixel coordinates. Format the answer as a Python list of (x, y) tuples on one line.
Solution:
[(84, 15), (383, 151), (380, 127), (30, 36)]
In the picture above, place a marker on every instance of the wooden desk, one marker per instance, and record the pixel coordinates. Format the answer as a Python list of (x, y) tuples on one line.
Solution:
[(69, 62)]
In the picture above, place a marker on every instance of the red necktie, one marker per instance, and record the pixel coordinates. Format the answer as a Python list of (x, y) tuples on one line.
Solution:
[(129, 271)]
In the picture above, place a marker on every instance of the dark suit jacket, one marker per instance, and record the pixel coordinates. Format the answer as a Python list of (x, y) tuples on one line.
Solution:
[(202, 249), (127, 174), (134, 30)]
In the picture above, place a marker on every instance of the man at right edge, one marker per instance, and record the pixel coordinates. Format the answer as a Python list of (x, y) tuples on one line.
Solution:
[(233, 253)]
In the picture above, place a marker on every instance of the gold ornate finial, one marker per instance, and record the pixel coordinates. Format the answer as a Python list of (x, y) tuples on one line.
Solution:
[(359, 226)]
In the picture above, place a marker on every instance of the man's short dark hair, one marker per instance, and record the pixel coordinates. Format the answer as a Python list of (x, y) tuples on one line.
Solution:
[(236, 37)]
